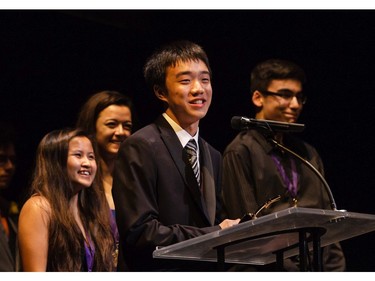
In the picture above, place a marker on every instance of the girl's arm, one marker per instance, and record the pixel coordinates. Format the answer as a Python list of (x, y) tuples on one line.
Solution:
[(33, 233)]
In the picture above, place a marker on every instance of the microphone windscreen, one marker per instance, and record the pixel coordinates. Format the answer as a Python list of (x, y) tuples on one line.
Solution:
[(236, 122)]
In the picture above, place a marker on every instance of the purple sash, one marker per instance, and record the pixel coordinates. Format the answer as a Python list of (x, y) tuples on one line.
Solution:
[(291, 184)]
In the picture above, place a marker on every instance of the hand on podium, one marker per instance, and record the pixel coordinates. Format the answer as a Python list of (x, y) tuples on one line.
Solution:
[(228, 223)]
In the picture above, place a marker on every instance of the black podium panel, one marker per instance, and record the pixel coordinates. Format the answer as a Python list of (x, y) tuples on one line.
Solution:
[(257, 241)]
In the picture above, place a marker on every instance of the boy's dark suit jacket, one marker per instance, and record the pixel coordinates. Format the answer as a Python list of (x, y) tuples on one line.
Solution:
[(10, 259), (157, 198)]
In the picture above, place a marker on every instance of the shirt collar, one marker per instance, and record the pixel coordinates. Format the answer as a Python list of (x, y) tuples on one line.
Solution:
[(182, 135)]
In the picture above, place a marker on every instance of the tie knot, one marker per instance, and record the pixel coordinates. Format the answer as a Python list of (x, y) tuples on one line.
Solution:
[(191, 145)]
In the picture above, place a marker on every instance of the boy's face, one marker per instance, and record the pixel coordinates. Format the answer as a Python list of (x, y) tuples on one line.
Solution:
[(277, 108), (189, 92), (7, 165)]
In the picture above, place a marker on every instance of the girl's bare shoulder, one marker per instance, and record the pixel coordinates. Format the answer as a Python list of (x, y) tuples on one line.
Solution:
[(36, 205)]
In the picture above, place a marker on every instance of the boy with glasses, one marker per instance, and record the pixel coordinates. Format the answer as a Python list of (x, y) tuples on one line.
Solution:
[(255, 171)]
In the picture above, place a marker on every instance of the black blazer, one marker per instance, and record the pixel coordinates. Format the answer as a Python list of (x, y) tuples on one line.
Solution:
[(9, 253), (156, 195)]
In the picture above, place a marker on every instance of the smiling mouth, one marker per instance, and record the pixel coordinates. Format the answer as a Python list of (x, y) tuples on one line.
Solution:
[(293, 115), (197, 101), (117, 142)]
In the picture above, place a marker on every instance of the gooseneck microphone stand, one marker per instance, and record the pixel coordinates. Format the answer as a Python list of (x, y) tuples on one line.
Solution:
[(318, 266), (269, 130), (308, 164)]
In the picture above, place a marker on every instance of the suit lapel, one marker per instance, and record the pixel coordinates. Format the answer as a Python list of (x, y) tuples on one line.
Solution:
[(179, 157), (173, 145), (208, 182)]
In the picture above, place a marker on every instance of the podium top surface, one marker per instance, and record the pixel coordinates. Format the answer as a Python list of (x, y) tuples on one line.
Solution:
[(256, 241)]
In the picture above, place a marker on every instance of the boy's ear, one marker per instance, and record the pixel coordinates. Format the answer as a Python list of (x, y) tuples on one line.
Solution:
[(257, 99), (159, 93)]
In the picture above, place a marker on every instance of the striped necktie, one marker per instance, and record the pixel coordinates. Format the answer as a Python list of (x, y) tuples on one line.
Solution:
[(191, 149)]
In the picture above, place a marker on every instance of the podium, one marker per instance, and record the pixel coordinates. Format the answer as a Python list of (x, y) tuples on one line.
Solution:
[(272, 238)]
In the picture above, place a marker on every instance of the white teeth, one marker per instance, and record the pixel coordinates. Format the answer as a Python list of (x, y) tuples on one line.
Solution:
[(198, 102), (85, 173)]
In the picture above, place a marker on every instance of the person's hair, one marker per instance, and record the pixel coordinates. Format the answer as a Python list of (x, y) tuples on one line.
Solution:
[(7, 135), (169, 55), (65, 240), (90, 111), (266, 71)]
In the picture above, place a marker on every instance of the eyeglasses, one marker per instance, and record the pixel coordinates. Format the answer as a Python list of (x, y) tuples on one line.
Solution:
[(287, 96)]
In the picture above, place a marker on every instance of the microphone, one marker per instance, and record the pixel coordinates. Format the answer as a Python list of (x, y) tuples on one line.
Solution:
[(244, 123)]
